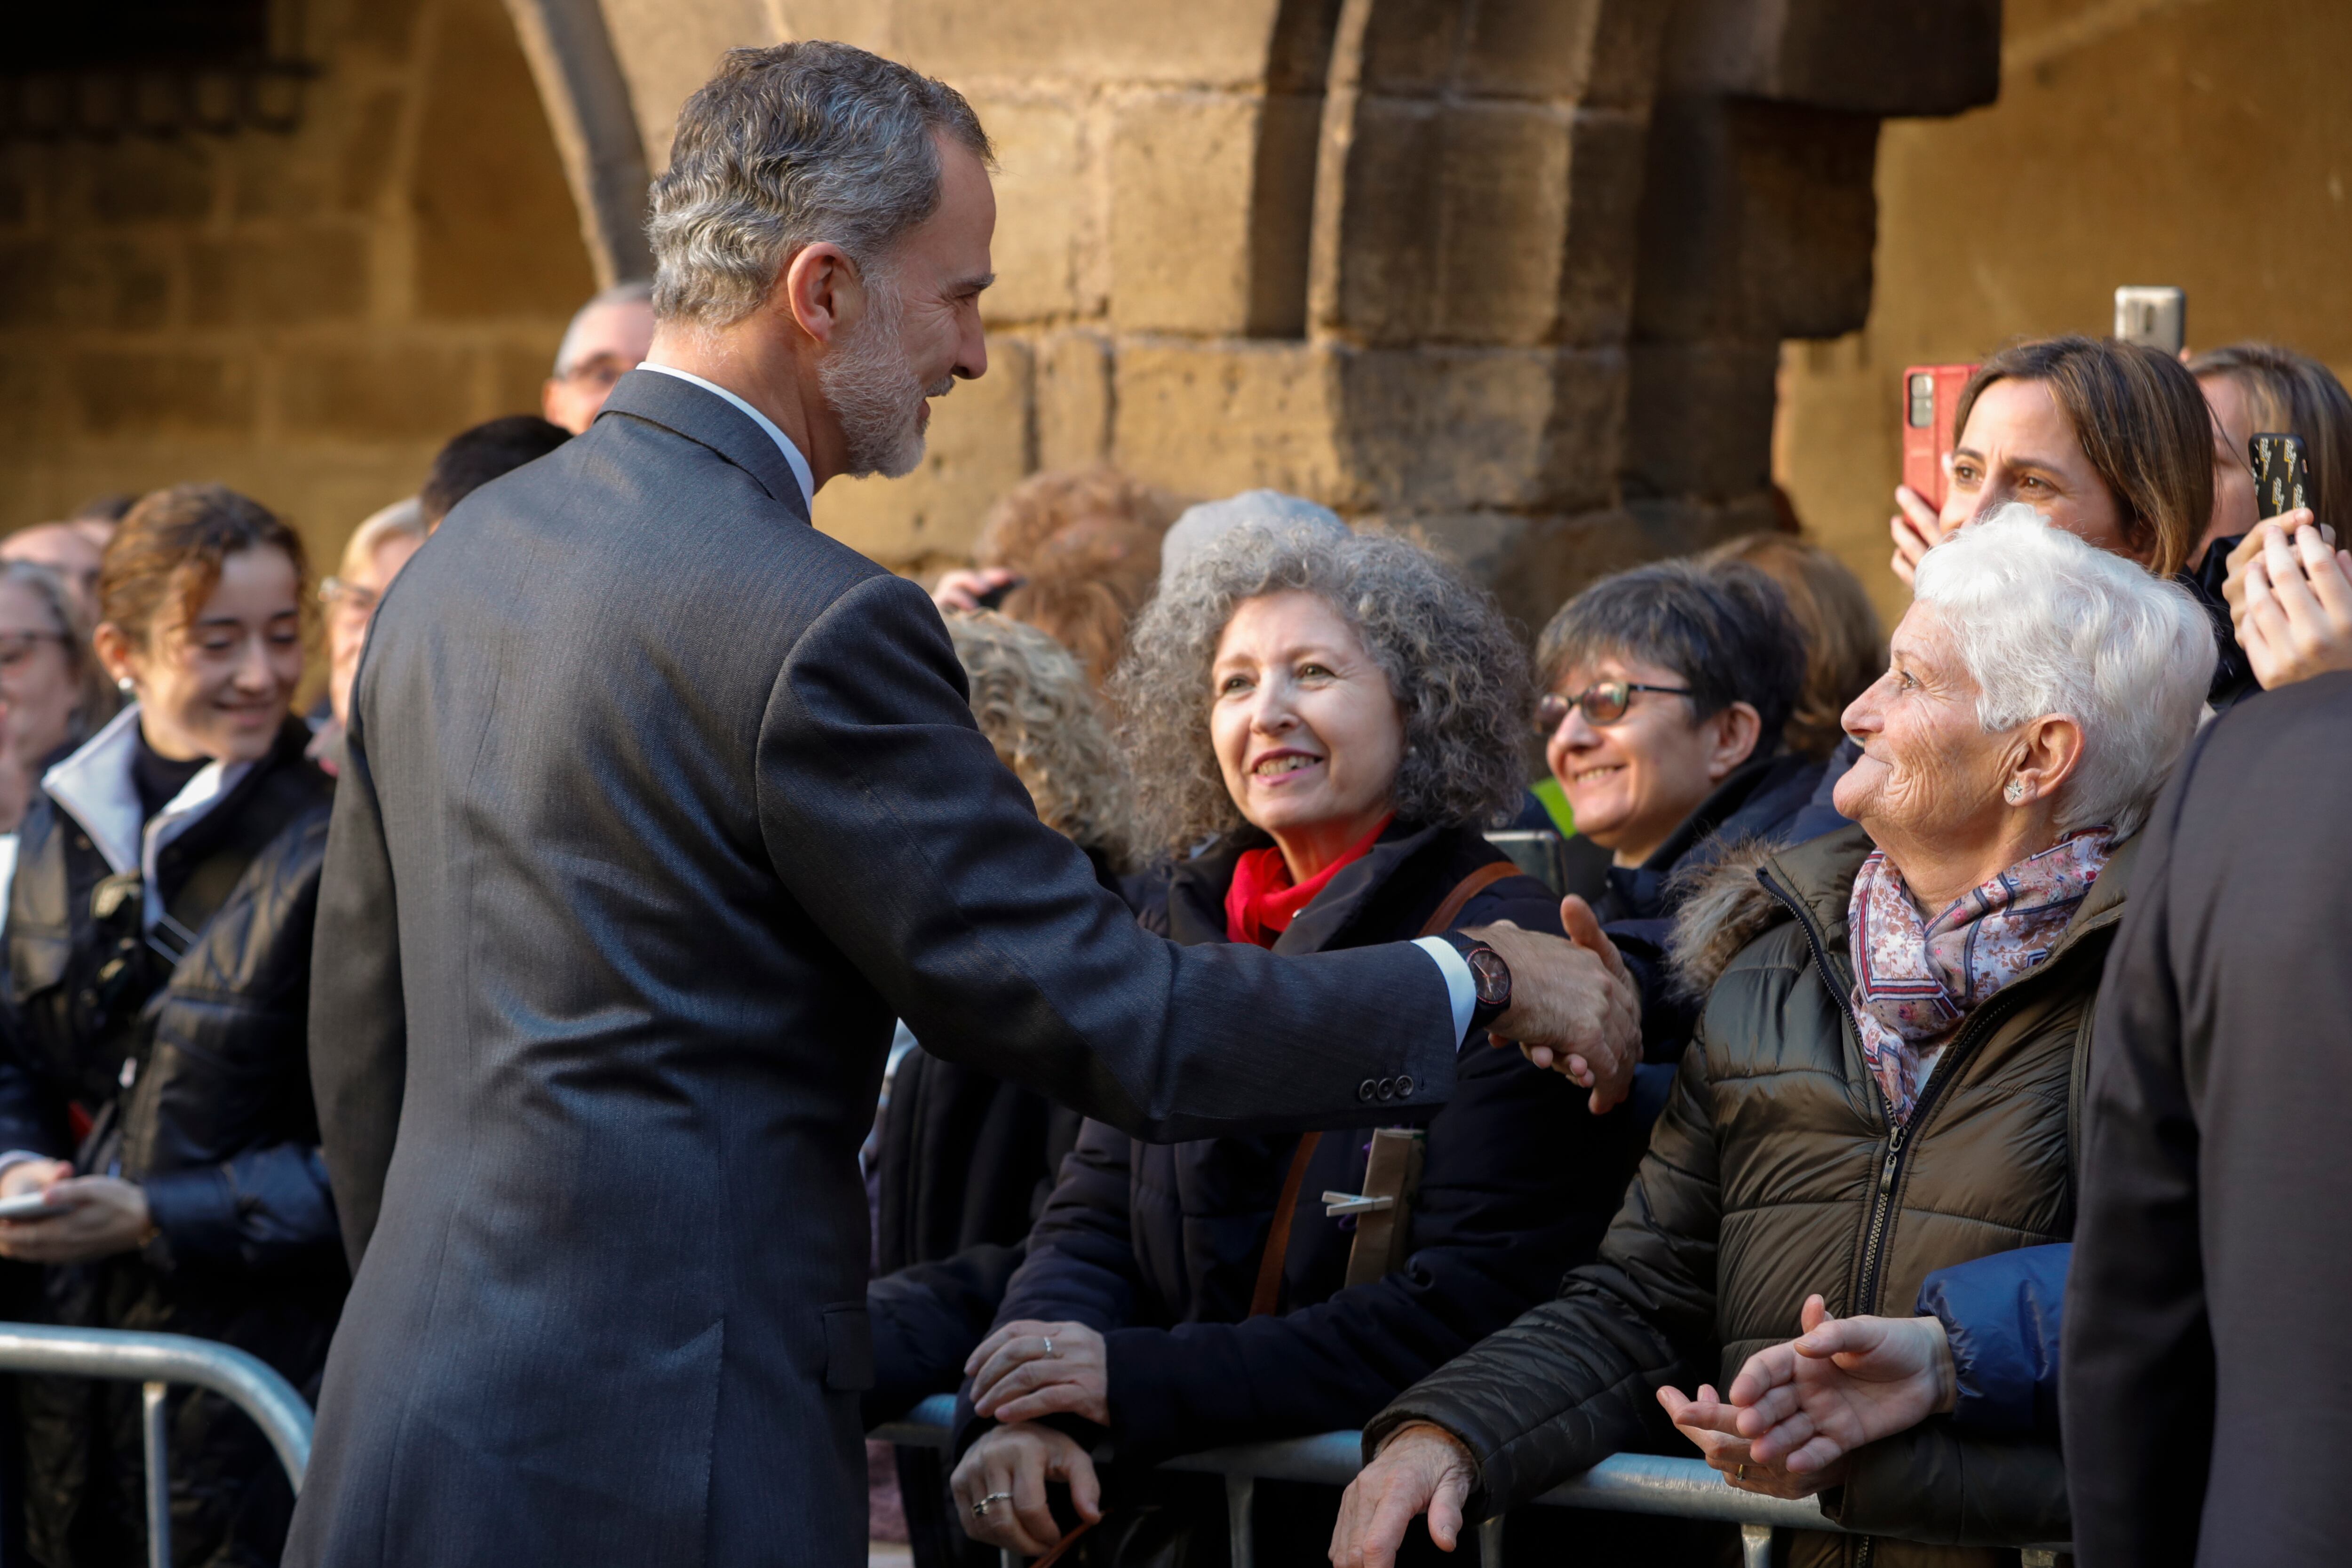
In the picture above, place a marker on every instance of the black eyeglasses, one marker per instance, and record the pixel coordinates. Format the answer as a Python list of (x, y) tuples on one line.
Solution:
[(1605, 702)]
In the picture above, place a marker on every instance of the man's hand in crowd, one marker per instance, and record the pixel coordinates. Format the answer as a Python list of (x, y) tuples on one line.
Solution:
[(1844, 1383), (1574, 1009), (999, 1485), (1420, 1469), (1916, 529), (2290, 595), (964, 588), (1027, 1370), (101, 1216)]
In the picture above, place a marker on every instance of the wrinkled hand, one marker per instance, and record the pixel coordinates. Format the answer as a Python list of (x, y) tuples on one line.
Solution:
[(965, 587), (104, 1216), (1844, 1383), (1574, 1009), (1708, 1422), (1916, 529), (2291, 601), (1009, 1468), (1014, 1378), (1420, 1469)]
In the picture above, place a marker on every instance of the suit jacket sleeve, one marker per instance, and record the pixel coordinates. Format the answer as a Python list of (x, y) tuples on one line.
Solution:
[(359, 1020), (892, 824), (2136, 1370)]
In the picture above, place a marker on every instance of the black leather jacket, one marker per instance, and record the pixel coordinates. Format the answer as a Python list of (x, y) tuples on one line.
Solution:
[(192, 1080)]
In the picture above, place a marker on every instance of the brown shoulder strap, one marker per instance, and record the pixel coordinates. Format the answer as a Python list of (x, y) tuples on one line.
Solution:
[(1467, 889), (1277, 1237)]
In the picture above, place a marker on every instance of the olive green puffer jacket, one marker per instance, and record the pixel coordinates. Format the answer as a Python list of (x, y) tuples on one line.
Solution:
[(1774, 1172)]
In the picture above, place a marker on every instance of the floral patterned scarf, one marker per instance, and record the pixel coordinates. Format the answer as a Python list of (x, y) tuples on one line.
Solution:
[(1915, 980)]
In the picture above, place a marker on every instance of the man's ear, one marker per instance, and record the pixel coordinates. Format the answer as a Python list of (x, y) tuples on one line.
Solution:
[(822, 292), (1737, 728)]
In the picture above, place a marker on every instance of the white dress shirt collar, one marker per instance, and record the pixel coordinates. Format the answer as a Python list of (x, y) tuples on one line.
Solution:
[(800, 466)]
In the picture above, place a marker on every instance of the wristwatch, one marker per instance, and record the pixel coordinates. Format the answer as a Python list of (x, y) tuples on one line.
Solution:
[(1489, 974)]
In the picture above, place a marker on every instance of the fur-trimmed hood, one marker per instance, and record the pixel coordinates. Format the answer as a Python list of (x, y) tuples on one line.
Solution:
[(1726, 905)]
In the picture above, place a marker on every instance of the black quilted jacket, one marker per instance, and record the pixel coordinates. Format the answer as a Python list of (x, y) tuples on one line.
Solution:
[(217, 1126)]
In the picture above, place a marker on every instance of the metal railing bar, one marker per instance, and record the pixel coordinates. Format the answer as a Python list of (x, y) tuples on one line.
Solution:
[(1622, 1483), (153, 1440), (245, 1380)]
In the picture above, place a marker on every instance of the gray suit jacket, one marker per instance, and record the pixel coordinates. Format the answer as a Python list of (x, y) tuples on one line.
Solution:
[(660, 806)]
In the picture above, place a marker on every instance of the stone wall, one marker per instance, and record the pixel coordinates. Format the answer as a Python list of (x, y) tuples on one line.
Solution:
[(2182, 141), (306, 315), (1424, 260)]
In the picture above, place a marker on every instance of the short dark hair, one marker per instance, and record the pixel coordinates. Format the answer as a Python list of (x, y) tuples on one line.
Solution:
[(2142, 420), (1725, 629), (476, 456)]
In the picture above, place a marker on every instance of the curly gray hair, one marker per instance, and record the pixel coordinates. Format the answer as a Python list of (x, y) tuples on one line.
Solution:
[(1457, 673), (787, 146)]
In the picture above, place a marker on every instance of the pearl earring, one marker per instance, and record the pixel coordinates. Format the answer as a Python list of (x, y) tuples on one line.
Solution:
[(2015, 792), (125, 685)]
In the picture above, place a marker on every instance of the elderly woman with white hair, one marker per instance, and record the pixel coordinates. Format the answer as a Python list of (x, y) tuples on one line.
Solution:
[(1883, 1080)]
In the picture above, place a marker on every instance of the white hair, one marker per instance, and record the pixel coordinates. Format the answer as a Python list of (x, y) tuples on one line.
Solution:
[(639, 292), (2048, 625)]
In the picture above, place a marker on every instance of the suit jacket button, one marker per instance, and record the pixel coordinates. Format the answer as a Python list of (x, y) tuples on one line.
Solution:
[(1388, 1089), (1405, 1086), (1366, 1089)]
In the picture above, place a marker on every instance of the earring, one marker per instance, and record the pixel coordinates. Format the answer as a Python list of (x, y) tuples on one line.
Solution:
[(125, 685), (2015, 792)]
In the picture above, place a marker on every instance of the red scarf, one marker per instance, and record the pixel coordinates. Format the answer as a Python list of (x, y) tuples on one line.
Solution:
[(1263, 900)]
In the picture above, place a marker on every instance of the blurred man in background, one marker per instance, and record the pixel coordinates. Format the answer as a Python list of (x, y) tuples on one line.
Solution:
[(605, 340)]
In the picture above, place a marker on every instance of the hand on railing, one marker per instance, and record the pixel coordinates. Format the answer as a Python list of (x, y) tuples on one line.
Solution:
[(1026, 1371), (1800, 1407), (1420, 1469), (1000, 1484), (1574, 1008)]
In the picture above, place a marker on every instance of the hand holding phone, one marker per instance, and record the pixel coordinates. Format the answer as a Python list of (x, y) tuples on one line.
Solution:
[(2293, 603), (2283, 481)]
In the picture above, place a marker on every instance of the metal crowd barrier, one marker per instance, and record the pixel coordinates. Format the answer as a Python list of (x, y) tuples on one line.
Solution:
[(158, 1361), (1622, 1483)]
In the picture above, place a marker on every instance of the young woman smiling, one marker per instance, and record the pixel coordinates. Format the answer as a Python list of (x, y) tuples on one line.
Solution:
[(156, 1089)]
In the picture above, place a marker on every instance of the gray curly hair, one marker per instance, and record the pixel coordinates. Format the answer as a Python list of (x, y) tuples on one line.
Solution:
[(788, 146), (1457, 673), (1033, 702)]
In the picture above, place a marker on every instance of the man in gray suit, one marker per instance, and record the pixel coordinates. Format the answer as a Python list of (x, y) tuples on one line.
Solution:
[(659, 807)]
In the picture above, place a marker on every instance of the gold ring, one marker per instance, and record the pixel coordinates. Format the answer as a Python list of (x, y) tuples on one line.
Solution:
[(1741, 1474)]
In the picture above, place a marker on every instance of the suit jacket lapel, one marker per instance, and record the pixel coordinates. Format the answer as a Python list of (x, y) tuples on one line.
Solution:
[(708, 420)]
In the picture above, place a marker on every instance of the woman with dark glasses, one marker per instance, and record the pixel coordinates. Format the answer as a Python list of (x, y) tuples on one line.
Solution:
[(1666, 691)]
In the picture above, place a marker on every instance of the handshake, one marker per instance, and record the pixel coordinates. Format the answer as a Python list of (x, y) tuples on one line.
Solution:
[(1574, 1008)]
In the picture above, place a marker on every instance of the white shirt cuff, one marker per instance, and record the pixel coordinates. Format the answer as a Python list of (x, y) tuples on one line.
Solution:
[(1461, 988)]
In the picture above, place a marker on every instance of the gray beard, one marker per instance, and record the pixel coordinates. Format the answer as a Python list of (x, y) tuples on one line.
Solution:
[(872, 390)]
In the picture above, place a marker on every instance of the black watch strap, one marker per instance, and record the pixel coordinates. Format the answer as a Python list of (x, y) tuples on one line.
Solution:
[(1489, 1005)]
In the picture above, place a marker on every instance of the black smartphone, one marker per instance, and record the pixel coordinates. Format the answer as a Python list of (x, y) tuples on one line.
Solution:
[(2282, 475), (994, 598)]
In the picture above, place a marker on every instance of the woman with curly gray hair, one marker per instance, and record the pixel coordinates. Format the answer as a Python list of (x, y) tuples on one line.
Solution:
[(1337, 716)]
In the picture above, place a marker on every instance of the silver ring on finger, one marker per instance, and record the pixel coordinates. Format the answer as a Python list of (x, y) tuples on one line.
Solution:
[(980, 1508), (1049, 1347)]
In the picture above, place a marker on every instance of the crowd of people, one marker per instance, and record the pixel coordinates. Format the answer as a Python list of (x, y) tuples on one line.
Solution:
[(1880, 909)]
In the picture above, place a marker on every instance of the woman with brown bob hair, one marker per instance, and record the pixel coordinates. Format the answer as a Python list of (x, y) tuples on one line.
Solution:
[(2108, 440), (155, 1084)]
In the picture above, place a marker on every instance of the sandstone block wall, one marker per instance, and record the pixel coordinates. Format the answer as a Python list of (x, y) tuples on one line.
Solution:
[(304, 315)]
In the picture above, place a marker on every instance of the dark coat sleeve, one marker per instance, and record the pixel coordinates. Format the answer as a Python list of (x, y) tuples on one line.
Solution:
[(2002, 1316), (1512, 1172), (359, 1020), (1575, 1380), (926, 1318), (988, 932), (1080, 1267), (228, 1061), (2136, 1370)]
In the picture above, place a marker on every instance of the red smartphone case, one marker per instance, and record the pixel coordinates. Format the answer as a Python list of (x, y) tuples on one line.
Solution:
[(1931, 393)]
